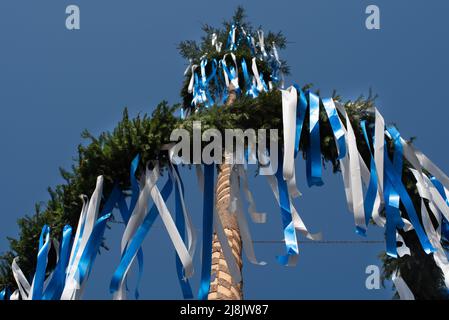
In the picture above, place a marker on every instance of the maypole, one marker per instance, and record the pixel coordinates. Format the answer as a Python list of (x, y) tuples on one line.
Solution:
[(224, 287)]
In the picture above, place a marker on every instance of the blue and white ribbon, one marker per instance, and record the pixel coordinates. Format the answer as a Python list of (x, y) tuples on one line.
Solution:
[(371, 193), (74, 288), (393, 176), (37, 287), (313, 161), (54, 288), (231, 45), (208, 208), (182, 219), (251, 88), (117, 282), (403, 290), (336, 125), (231, 74), (352, 174), (291, 242)]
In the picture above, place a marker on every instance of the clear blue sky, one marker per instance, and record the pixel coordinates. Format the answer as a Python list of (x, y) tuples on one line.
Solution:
[(54, 83)]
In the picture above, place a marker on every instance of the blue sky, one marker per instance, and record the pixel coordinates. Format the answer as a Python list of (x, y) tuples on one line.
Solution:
[(54, 83)]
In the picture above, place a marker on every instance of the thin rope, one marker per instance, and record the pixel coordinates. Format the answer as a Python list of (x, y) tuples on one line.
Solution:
[(324, 241)]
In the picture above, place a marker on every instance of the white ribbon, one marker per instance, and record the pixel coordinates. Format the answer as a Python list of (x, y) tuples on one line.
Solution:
[(426, 190), (23, 285), (190, 230), (173, 233), (289, 106), (256, 77), (261, 43), (378, 145), (403, 290), (235, 80), (192, 79), (236, 207), (15, 295), (215, 42), (135, 220), (297, 221), (256, 217), (276, 56), (402, 249), (73, 290), (350, 167), (188, 67)]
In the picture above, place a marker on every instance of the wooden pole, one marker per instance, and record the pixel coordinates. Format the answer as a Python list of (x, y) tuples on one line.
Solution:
[(222, 286)]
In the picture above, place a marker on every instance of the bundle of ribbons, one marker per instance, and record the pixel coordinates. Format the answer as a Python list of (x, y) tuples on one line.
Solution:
[(212, 88), (374, 191)]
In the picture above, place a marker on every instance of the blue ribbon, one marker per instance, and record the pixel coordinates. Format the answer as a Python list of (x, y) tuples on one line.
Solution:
[(137, 240), (250, 44), (314, 155), (372, 187), (231, 72), (393, 177), (93, 244), (251, 88), (180, 225), (4, 294), (39, 276), (231, 44), (208, 207), (444, 223), (300, 115), (117, 197), (57, 282), (391, 196), (291, 242), (336, 126)]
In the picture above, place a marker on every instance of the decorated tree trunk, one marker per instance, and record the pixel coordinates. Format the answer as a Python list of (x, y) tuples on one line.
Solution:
[(223, 287)]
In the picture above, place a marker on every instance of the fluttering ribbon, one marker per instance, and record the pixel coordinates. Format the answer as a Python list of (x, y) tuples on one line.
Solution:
[(336, 126), (236, 208), (300, 116), (277, 75), (261, 44), (261, 85), (403, 290), (372, 187), (74, 288), (216, 43), (208, 207), (291, 242), (352, 174), (136, 242), (231, 45), (313, 160), (434, 236), (257, 217), (231, 74), (181, 220), (393, 176), (289, 106), (57, 282), (251, 89), (37, 287)]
